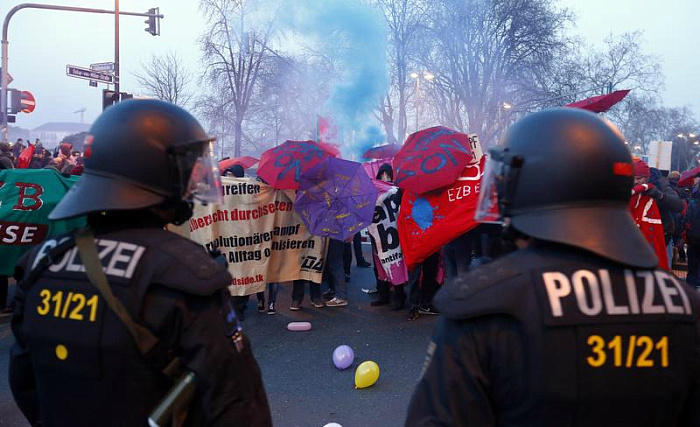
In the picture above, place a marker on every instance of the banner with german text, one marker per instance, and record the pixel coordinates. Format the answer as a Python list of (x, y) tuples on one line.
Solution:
[(260, 234), (27, 196)]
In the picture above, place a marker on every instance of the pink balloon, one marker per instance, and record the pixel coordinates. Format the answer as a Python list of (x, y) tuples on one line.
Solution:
[(343, 356)]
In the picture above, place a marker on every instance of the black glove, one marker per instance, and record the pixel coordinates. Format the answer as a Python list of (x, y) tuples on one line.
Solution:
[(654, 193)]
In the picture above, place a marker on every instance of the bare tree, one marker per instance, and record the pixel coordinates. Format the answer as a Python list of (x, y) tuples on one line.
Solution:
[(166, 78), (233, 59), (404, 19), (485, 52)]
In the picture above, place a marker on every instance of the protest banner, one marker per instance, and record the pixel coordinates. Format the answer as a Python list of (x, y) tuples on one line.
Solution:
[(429, 221), (27, 196), (385, 235), (260, 234)]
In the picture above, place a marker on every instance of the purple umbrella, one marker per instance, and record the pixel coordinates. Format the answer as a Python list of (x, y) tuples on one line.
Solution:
[(336, 198)]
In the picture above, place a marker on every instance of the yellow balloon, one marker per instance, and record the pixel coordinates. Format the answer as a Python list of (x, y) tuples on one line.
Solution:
[(366, 374)]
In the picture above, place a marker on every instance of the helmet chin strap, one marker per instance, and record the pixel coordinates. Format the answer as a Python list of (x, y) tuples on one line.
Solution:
[(174, 211)]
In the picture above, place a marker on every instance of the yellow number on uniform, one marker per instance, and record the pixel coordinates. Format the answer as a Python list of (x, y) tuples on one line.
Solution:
[(648, 344), (57, 298), (662, 346), (75, 313), (598, 344), (92, 303), (44, 308), (616, 345)]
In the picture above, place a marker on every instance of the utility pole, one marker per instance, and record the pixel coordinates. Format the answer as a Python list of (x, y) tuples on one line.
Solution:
[(6, 24), (116, 47)]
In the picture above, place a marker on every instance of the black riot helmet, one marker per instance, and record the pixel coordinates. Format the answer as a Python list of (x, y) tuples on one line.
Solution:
[(143, 153), (565, 175)]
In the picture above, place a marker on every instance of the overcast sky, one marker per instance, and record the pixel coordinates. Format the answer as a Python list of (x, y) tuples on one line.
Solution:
[(43, 42)]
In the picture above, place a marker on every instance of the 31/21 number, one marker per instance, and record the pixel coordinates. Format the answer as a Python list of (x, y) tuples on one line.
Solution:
[(71, 307), (646, 357)]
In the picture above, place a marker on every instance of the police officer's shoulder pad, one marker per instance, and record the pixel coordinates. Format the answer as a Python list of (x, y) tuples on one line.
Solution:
[(191, 268), (482, 283)]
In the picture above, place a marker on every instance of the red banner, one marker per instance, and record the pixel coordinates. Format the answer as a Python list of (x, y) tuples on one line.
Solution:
[(429, 221)]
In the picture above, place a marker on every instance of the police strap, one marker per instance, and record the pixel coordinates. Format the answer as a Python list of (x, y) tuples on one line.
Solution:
[(145, 340)]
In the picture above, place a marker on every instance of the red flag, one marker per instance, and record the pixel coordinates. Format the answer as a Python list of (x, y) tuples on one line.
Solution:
[(25, 157), (429, 221)]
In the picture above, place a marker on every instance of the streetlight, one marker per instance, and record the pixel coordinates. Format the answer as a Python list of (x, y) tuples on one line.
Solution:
[(428, 76)]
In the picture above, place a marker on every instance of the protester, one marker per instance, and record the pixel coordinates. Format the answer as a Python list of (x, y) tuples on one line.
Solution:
[(424, 282), (298, 294), (79, 166), (241, 301), (668, 203), (6, 157), (17, 148), (679, 253), (645, 212), (65, 160), (333, 275), (41, 156), (272, 289), (348, 248), (385, 292), (692, 233), (235, 171)]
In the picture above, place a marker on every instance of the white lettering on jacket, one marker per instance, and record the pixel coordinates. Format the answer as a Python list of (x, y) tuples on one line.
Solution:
[(646, 292), (119, 259)]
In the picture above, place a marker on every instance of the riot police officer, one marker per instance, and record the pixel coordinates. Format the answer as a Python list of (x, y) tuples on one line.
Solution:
[(77, 361), (577, 327)]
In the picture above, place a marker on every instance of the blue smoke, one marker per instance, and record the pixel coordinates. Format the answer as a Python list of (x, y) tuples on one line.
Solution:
[(354, 35), (372, 136)]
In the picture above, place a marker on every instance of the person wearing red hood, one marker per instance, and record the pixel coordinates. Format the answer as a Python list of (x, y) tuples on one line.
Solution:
[(645, 211)]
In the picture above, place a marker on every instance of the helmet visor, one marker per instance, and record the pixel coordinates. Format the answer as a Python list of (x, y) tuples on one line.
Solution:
[(204, 183), (488, 209)]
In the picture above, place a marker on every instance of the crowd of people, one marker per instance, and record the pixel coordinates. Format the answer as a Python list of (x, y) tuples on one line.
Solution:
[(416, 296), (668, 214), (63, 158), (523, 339)]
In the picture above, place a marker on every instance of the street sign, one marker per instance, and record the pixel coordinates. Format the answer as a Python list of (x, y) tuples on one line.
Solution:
[(28, 102), (106, 67), (84, 73)]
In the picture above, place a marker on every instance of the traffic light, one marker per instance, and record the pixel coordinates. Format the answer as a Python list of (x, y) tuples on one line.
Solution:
[(153, 22), (15, 101), (109, 98), (20, 101)]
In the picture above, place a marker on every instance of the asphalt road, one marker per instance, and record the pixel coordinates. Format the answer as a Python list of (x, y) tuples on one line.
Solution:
[(303, 386)]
